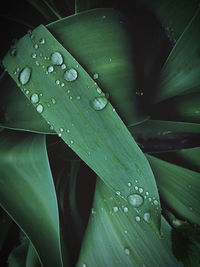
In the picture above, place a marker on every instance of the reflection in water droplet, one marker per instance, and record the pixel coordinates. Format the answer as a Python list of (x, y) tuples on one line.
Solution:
[(25, 75), (34, 98), (39, 108), (99, 103), (56, 58), (137, 218), (135, 200), (147, 217), (70, 75)]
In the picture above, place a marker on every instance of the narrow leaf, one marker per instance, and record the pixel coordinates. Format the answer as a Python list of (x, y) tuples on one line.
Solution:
[(32, 200), (178, 187), (81, 115)]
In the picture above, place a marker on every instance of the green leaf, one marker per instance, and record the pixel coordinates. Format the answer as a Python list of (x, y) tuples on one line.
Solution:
[(5, 225), (17, 257), (181, 108), (156, 136), (115, 238), (16, 112), (81, 114), (180, 73), (27, 192), (32, 257), (179, 188)]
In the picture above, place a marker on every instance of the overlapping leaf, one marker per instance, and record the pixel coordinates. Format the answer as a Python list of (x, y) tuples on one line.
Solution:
[(27, 192)]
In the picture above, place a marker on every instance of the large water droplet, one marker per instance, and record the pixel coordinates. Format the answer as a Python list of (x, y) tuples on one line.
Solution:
[(39, 108), (70, 75), (147, 217), (34, 98), (25, 75), (99, 103), (135, 200), (56, 58)]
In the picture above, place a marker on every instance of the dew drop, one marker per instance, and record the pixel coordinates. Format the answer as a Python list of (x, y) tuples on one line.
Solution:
[(115, 209), (140, 190), (127, 251), (136, 187), (59, 134), (70, 75), (39, 108), (61, 129), (13, 52), (53, 101), (95, 76), (83, 265), (56, 58), (125, 209), (50, 68), (62, 84), (63, 66), (147, 193), (35, 46), (51, 127), (37, 63), (129, 184), (137, 218), (71, 141), (99, 91), (99, 103), (34, 98), (42, 41), (78, 97), (25, 75), (146, 217), (135, 200), (118, 193), (34, 55), (57, 82), (155, 202)]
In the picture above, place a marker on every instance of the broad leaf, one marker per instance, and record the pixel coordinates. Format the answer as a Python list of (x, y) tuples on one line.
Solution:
[(27, 192), (117, 236), (74, 105)]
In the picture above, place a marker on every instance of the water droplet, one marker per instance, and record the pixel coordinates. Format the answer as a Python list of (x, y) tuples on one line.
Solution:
[(137, 218), (155, 202), (129, 184), (53, 101), (36, 46), (136, 187), (99, 91), (34, 98), (61, 130), (127, 251), (115, 209), (51, 127), (70, 97), (37, 63), (59, 134), (140, 190), (56, 58), (50, 68), (118, 193), (125, 231), (68, 130), (27, 92), (68, 91), (71, 141), (62, 85), (25, 75), (147, 193), (13, 52), (135, 200), (139, 93), (57, 82), (99, 103), (147, 217), (34, 55), (78, 97), (95, 76), (84, 265), (125, 209), (150, 199), (63, 66), (70, 75), (39, 108), (42, 41)]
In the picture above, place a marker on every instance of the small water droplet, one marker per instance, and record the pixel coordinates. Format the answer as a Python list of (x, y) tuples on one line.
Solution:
[(27, 92), (99, 91), (127, 251), (13, 52), (68, 130), (62, 84), (140, 190), (37, 63), (150, 199), (125, 231), (147, 217), (147, 193), (51, 127), (84, 265), (34, 98), (56, 58), (59, 134), (53, 101), (125, 209), (129, 184), (135, 200), (63, 66), (136, 187), (95, 76), (57, 82), (36, 46), (115, 209), (25, 75), (42, 41), (39, 108), (118, 193), (78, 97), (155, 202), (99, 103), (70, 75), (137, 218), (50, 68), (34, 55)]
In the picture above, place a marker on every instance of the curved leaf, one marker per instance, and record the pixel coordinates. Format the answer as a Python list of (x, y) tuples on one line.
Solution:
[(116, 237), (178, 187), (27, 192), (71, 107)]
